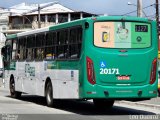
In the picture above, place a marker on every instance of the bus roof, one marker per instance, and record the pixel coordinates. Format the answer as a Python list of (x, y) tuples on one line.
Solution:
[(127, 18)]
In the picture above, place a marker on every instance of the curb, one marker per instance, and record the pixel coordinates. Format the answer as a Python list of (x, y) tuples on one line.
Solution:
[(157, 107)]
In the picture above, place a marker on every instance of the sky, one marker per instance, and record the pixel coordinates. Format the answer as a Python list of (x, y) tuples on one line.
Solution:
[(108, 7)]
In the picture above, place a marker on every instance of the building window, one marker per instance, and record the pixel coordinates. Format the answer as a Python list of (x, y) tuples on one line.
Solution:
[(52, 18), (75, 16), (42, 18), (28, 19), (62, 18)]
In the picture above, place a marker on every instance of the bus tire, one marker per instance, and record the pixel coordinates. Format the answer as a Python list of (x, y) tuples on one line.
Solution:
[(103, 103), (49, 94), (13, 93)]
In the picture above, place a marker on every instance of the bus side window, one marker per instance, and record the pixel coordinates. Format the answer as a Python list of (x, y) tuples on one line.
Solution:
[(75, 41), (62, 37), (61, 52), (73, 51), (30, 47), (18, 55), (62, 49), (39, 53), (49, 50), (22, 48), (14, 48), (8, 54), (40, 42)]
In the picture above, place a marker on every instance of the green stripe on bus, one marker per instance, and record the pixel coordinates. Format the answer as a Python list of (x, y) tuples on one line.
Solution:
[(11, 36)]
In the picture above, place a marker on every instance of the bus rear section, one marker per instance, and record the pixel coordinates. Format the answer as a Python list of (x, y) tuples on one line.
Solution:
[(121, 60)]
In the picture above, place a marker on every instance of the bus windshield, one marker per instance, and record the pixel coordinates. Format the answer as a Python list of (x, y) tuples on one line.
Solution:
[(122, 34)]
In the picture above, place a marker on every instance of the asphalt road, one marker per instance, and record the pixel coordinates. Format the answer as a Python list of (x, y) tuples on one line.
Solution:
[(34, 108)]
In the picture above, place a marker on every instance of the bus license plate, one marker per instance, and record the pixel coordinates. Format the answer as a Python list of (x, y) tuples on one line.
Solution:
[(123, 77)]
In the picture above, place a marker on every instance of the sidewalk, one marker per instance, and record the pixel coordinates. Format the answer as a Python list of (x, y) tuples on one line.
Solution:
[(154, 103)]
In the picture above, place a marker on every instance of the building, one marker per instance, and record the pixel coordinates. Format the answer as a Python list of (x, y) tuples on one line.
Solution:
[(4, 20), (26, 16)]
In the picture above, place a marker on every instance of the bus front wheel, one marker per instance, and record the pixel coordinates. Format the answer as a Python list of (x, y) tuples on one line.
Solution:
[(49, 94), (14, 94), (103, 103)]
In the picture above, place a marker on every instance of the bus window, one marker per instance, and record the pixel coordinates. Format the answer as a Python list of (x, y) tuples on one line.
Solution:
[(30, 54), (31, 41), (79, 34), (14, 48), (40, 39), (39, 53), (49, 39), (122, 34), (62, 37), (9, 42), (75, 40), (54, 38), (30, 47), (22, 48), (73, 35), (8, 53), (18, 55), (49, 51), (66, 51), (73, 49), (79, 49), (60, 54)]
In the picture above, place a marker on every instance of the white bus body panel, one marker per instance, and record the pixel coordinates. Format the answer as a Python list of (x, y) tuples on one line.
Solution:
[(65, 83)]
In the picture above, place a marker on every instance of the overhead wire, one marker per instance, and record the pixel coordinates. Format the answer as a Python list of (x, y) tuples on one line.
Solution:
[(136, 10)]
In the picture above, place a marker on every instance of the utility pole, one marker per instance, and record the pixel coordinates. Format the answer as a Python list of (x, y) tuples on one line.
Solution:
[(157, 19), (157, 12), (38, 9), (139, 8), (39, 17)]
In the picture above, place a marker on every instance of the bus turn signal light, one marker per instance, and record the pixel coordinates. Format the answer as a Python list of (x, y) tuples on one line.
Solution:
[(153, 71), (90, 71)]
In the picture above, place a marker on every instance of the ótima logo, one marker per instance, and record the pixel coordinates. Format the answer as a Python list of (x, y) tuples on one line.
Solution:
[(139, 39)]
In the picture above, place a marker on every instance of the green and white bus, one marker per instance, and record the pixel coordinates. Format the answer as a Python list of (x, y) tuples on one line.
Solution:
[(103, 58)]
